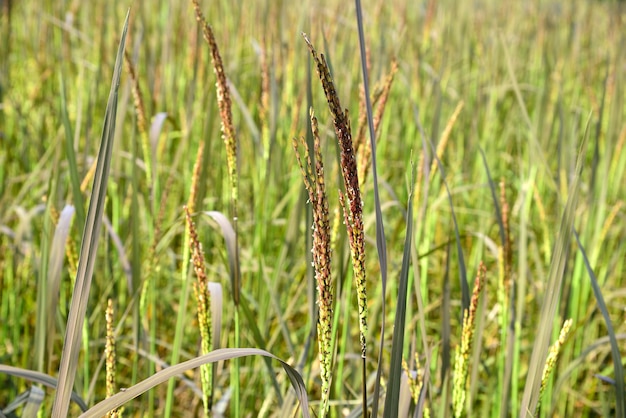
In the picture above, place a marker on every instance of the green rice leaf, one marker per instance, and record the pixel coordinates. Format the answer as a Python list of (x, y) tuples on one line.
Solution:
[(620, 395), (393, 386)]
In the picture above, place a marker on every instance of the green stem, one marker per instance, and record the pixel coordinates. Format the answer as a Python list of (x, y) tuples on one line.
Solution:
[(180, 320), (235, 382)]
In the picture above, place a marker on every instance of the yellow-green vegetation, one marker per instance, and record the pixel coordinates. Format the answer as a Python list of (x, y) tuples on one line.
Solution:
[(463, 350), (160, 254)]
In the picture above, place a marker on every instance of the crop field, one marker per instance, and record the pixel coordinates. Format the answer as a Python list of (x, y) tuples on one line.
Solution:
[(317, 209)]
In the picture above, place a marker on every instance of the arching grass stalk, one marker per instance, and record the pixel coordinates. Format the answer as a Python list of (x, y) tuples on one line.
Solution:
[(316, 187), (228, 134), (352, 203)]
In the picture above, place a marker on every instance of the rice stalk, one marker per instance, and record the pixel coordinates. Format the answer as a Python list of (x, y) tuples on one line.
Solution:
[(553, 355), (203, 299), (507, 246), (505, 296), (187, 250), (351, 202), (195, 179), (462, 355), (228, 135), (316, 188), (110, 359), (225, 106)]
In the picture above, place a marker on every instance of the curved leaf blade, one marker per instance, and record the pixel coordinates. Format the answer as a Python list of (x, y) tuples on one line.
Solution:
[(163, 376)]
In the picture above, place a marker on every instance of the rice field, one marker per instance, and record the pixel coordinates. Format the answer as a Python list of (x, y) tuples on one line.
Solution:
[(328, 209)]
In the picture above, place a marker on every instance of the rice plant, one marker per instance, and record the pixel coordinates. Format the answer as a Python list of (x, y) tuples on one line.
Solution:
[(180, 235)]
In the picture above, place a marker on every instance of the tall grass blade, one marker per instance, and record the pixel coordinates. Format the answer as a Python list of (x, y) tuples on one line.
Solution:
[(552, 296), (134, 270), (393, 386), (446, 330), (43, 291), (381, 244), (618, 368), (122, 397), (89, 245)]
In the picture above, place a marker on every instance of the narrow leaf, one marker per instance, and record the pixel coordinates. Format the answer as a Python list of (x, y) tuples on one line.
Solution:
[(393, 387), (552, 292), (618, 368), (89, 246)]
